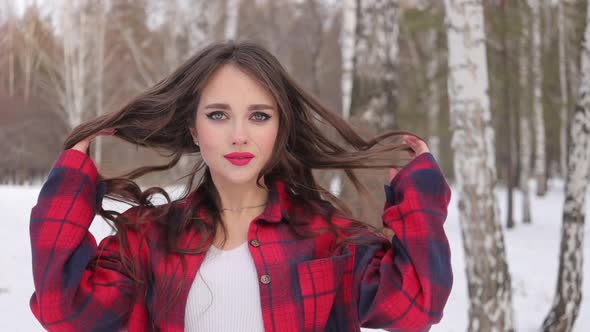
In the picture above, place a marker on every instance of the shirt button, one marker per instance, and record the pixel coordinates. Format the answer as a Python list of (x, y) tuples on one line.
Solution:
[(265, 279), (255, 243)]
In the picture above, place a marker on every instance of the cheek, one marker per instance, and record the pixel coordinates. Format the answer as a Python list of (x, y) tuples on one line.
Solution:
[(208, 141), (268, 138), (207, 134)]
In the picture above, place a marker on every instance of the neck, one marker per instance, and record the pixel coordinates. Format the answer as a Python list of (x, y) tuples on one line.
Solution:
[(241, 199)]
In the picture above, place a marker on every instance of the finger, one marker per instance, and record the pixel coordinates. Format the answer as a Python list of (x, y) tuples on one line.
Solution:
[(408, 141), (406, 138), (421, 147), (103, 132), (392, 173), (107, 131), (418, 145)]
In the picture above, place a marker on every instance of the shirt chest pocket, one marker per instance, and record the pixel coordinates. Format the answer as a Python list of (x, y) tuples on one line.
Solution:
[(319, 281)]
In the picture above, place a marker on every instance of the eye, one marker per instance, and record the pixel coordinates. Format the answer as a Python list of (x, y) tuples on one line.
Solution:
[(259, 116), (217, 115)]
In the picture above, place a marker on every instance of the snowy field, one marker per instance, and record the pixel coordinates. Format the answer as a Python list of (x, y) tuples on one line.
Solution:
[(532, 256)]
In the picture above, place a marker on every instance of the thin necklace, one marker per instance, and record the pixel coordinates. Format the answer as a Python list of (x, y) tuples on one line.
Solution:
[(245, 207)]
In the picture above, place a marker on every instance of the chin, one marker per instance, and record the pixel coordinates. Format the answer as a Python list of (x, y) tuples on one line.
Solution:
[(239, 178)]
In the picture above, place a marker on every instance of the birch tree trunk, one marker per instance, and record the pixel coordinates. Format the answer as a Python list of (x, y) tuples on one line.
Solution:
[(573, 69), (174, 25), (99, 19), (563, 113), (507, 102), (79, 82), (524, 115), (380, 22), (198, 21), (568, 294), (537, 78), (188, 27), (348, 45), (8, 46), (231, 19), (490, 295), (76, 53), (432, 69), (29, 59), (11, 59), (347, 51)]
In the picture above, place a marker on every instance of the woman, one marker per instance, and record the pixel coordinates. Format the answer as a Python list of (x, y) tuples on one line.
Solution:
[(258, 245)]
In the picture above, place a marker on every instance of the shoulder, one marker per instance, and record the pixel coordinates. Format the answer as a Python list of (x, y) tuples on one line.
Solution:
[(325, 218)]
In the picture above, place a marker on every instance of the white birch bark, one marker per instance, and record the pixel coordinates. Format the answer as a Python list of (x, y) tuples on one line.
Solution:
[(29, 59), (568, 295), (524, 116), (318, 19), (490, 295), (8, 46), (573, 69), (433, 57), (99, 19), (547, 22), (537, 81), (199, 19), (347, 51), (232, 19), (348, 45), (11, 60), (76, 53), (380, 59), (192, 20), (564, 92), (186, 26), (174, 25), (432, 68), (11, 63)]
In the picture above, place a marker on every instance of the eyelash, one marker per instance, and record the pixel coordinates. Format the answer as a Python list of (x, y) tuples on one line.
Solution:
[(210, 116)]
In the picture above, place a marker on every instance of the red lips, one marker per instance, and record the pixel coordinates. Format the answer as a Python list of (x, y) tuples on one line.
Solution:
[(239, 155), (239, 158)]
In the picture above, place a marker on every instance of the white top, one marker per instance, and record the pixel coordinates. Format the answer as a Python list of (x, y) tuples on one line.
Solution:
[(225, 295)]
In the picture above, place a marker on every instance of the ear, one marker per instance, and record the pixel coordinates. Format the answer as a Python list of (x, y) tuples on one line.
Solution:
[(193, 132)]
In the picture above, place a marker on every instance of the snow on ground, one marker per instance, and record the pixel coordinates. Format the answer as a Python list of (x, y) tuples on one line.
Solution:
[(532, 255)]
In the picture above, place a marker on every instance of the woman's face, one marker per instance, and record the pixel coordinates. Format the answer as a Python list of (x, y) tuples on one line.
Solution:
[(235, 115)]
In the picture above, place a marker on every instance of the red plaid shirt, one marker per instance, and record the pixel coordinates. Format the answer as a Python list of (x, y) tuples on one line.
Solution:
[(401, 285)]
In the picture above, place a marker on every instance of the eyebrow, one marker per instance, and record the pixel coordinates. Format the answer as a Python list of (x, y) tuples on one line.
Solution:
[(253, 107)]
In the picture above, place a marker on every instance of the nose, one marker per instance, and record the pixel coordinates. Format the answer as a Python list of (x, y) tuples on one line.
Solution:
[(239, 135)]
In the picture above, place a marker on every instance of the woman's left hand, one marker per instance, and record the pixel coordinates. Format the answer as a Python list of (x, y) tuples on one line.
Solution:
[(418, 147)]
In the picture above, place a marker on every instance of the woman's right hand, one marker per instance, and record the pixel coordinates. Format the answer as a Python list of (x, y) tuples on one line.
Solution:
[(418, 147), (83, 145)]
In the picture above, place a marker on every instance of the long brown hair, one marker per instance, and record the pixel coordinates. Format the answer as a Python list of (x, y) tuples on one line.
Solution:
[(162, 116)]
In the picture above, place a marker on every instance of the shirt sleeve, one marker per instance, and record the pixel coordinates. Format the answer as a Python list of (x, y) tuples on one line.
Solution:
[(404, 285), (79, 286)]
